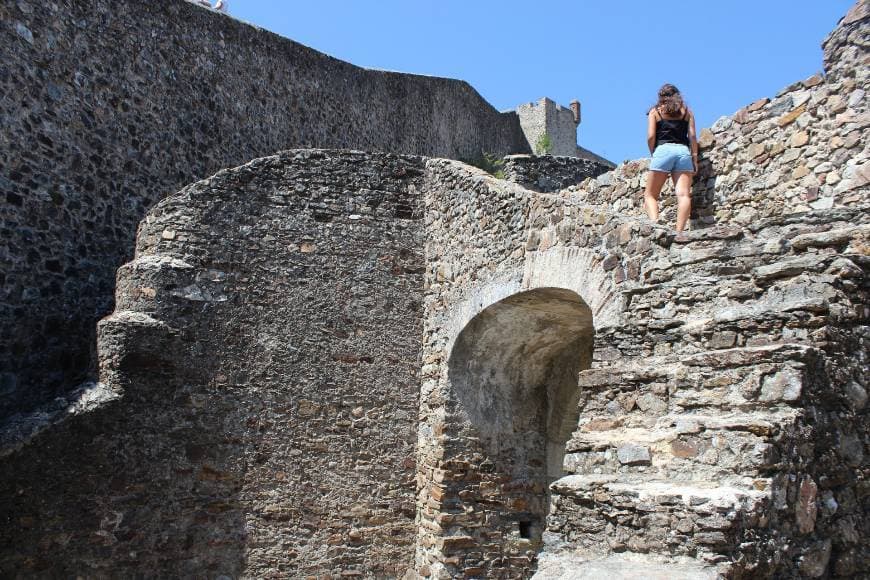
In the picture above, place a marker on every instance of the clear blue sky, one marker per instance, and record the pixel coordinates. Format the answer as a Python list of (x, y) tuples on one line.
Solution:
[(612, 55)]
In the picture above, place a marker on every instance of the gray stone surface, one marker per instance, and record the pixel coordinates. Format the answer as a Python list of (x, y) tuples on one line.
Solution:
[(568, 566), (551, 173), (347, 364), (109, 105), (633, 455)]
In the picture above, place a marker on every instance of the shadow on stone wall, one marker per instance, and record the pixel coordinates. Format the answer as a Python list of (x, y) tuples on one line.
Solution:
[(92, 139), (264, 361), (513, 375), (703, 194), (147, 484)]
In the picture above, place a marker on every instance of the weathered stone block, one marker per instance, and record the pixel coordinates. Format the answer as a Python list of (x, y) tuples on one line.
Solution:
[(633, 455), (785, 385), (806, 508)]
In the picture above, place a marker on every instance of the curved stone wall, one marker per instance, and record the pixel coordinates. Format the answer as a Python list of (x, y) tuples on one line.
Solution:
[(264, 362)]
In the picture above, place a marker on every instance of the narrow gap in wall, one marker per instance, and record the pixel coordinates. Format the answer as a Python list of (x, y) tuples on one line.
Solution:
[(525, 529)]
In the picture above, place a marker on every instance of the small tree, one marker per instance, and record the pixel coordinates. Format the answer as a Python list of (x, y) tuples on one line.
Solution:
[(544, 145)]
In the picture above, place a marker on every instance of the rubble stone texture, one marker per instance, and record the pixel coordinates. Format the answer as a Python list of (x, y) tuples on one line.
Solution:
[(714, 405), (264, 362), (110, 105), (336, 364), (548, 173)]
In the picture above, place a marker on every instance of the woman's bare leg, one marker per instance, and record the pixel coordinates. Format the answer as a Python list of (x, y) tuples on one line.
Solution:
[(684, 198), (654, 182)]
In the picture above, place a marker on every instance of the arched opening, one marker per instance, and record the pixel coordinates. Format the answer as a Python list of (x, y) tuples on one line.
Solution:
[(512, 407)]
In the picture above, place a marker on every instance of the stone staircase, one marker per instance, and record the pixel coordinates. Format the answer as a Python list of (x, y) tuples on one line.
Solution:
[(673, 473), (697, 461), (720, 424), (684, 471)]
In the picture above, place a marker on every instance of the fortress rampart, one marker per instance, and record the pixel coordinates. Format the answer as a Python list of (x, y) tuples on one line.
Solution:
[(333, 363), (108, 106)]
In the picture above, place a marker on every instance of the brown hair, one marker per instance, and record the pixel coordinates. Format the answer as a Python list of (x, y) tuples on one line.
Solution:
[(670, 101)]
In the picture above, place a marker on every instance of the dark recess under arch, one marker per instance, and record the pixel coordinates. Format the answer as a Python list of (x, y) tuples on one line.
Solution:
[(513, 405)]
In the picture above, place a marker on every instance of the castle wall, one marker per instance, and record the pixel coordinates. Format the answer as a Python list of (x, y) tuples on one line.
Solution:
[(284, 321), (548, 173), (720, 427), (806, 148), (110, 105), (262, 369)]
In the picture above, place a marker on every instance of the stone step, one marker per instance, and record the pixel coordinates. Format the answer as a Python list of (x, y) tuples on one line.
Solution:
[(133, 318), (709, 494), (600, 432), (570, 565), (603, 514), (687, 446), (746, 379)]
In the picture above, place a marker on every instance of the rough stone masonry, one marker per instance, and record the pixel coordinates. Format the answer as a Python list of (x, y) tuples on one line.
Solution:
[(110, 105), (329, 363)]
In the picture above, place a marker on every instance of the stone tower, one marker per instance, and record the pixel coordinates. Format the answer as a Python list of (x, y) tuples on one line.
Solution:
[(559, 123)]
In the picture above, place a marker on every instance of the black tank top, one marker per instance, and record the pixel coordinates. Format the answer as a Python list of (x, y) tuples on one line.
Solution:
[(672, 130)]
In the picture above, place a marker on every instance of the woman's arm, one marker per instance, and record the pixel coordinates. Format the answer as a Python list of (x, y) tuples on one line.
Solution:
[(693, 141), (651, 130)]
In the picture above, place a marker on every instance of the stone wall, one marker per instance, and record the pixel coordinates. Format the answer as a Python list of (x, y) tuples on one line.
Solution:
[(493, 402), (260, 377), (731, 439), (549, 173), (546, 117), (589, 388), (110, 105), (719, 427), (594, 394), (804, 149)]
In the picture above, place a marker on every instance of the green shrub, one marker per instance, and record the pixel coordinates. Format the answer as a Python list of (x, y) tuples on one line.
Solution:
[(490, 163), (544, 145)]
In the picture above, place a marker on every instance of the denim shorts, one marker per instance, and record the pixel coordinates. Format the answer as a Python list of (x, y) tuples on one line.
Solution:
[(669, 157)]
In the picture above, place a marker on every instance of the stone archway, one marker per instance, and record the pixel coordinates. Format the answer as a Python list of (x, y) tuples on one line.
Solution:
[(511, 407)]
